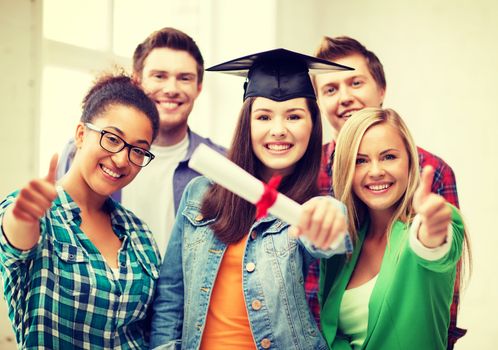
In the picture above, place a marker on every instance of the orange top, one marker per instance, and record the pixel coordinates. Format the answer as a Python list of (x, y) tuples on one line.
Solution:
[(227, 325)]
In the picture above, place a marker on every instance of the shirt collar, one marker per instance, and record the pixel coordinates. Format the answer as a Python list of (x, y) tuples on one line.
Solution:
[(72, 213), (68, 208)]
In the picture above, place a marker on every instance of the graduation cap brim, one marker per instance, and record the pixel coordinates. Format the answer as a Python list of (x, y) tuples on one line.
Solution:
[(278, 74), (241, 66)]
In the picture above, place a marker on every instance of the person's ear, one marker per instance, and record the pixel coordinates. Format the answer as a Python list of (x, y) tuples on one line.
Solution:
[(79, 135), (382, 96), (136, 78)]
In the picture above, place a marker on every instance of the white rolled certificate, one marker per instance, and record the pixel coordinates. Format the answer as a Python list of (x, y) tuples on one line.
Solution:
[(235, 179)]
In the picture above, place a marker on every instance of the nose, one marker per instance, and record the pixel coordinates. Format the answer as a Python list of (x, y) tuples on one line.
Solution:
[(170, 86), (121, 158), (345, 96), (278, 128), (376, 169)]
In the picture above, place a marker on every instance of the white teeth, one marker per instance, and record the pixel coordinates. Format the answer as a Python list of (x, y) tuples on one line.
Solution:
[(378, 187), (110, 172), (169, 105), (279, 147)]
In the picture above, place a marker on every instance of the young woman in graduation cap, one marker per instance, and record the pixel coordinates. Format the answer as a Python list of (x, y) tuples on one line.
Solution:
[(230, 281)]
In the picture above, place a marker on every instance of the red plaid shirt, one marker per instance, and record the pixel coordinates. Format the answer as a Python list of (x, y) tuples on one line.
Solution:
[(443, 184)]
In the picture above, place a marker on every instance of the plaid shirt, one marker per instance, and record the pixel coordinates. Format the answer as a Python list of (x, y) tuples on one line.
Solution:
[(443, 184), (61, 294)]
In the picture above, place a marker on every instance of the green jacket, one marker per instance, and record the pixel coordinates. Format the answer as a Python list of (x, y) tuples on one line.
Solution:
[(410, 304)]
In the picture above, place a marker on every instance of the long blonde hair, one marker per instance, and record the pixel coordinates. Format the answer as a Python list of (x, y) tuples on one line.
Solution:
[(344, 167)]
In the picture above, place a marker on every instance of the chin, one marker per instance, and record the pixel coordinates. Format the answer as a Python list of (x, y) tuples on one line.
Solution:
[(104, 190)]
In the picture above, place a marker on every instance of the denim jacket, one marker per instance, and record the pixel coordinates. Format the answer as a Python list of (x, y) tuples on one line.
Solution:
[(189, 272)]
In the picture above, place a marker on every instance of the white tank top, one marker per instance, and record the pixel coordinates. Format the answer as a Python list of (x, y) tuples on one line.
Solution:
[(353, 313)]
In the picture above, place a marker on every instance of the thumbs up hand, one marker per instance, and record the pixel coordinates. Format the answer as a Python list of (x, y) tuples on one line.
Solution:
[(37, 196), (435, 214)]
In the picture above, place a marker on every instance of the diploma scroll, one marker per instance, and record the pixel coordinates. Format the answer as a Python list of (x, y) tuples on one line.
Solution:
[(235, 179)]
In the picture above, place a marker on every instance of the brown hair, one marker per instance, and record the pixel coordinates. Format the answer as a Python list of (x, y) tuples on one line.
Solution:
[(341, 46), (234, 216), (111, 89), (170, 38)]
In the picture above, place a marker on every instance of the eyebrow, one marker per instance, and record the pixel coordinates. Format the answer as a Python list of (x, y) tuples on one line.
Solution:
[(356, 76), (381, 153), (162, 71), (120, 132), (155, 71), (271, 111)]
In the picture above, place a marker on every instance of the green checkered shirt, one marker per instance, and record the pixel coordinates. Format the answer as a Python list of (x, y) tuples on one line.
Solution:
[(61, 294)]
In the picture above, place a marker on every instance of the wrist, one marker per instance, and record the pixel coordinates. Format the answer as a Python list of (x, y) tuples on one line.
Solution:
[(430, 240), (427, 253)]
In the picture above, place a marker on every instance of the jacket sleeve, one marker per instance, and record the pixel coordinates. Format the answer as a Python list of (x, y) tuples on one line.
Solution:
[(453, 254), (341, 248), (66, 158), (10, 256), (168, 306)]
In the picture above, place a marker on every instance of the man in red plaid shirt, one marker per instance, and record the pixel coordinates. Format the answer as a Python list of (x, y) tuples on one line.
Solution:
[(340, 94)]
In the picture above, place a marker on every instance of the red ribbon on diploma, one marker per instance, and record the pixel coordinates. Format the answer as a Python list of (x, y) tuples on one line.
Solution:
[(268, 197)]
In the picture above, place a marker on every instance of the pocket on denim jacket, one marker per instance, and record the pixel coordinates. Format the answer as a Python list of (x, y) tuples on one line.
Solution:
[(279, 244)]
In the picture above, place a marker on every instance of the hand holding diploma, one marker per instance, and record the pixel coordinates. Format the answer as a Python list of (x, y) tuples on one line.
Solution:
[(319, 220)]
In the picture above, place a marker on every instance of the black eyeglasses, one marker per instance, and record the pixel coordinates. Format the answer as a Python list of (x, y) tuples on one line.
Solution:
[(114, 144)]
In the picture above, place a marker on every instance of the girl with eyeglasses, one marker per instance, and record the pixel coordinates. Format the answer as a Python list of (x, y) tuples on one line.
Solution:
[(79, 270)]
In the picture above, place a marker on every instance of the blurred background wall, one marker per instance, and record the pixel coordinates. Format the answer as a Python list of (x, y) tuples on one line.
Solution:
[(440, 59)]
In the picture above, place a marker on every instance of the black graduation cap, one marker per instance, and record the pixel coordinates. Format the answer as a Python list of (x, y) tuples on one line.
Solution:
[(277, 74)]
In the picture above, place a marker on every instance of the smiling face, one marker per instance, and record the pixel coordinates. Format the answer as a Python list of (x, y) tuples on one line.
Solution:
[(382, 167), (102, 171), (342, 93), (170, 79), (280, 133)]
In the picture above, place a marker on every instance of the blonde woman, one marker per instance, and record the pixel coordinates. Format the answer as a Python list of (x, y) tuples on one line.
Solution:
[(395, 291)]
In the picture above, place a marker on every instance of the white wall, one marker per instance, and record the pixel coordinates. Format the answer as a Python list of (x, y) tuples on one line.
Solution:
[(18, 72), (17, 118)]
